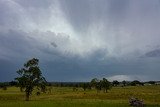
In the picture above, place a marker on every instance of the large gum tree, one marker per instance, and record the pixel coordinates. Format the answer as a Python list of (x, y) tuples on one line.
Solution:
[(30, 76)]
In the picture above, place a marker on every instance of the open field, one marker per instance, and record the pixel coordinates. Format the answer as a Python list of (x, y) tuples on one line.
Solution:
[(66, 97)]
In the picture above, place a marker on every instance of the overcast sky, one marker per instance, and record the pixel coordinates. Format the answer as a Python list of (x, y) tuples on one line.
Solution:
[(77, 40)]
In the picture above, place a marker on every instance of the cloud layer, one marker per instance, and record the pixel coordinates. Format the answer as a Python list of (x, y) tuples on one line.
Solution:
[(80, 40)]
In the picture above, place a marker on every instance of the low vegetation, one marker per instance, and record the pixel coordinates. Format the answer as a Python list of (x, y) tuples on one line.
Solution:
[(66, 97)]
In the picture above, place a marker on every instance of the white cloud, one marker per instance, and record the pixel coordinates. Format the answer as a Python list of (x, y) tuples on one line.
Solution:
[(127, 39), (127, 77)]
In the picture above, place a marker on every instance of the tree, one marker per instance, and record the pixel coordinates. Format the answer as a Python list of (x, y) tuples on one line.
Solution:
[(94, 82), (101, 84), (115, 83), (30, 76), (124, 83), (84, 86), (151, 82), (135, 82), (106, 85), (13, 83)]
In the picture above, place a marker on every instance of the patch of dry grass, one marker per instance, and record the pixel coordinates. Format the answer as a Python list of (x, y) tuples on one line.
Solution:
[(66, 97)]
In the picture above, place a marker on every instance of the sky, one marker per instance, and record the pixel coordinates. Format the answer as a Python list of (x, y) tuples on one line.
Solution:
[(78, 40)]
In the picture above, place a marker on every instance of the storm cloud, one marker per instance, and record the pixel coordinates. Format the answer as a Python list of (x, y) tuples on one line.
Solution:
[(77, 40)]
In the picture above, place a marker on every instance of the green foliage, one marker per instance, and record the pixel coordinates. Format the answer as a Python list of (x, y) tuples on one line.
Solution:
[(135, 82), (84, 86), (115, 83), (124, 83), (30, 76), (4, 85), (151, 82), (100, 84), (106, 85), (94, 82)]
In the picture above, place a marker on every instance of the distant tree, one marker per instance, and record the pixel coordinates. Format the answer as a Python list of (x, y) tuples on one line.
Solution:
[(100, 84), (115, 83), (30, 76), (4, 85), (89, 86), (151, 82), (85, 86), (106, 85), (94, 82), (124, 83), (13, 83), (135, 82)]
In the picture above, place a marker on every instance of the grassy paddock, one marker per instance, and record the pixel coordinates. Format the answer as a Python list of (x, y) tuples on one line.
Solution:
[(66, 97)]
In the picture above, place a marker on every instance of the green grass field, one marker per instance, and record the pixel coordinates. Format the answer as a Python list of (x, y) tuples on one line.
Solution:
[(66, 97)]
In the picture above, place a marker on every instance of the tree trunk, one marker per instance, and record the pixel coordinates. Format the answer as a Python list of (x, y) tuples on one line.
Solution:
[(27, 96)]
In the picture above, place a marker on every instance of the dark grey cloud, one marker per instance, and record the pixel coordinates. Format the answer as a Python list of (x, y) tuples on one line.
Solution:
[(54, 44), (7, 69), (80, 40), (154, 53)]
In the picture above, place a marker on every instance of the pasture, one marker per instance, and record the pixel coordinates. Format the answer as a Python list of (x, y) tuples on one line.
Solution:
[(66, 97)]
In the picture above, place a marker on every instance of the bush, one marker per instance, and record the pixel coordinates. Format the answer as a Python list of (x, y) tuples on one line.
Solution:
[(135, 102)]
